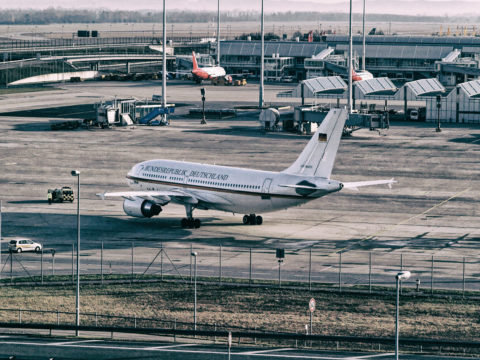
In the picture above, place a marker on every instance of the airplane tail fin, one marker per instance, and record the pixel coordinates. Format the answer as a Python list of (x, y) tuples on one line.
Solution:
[(319, 155), (194, 61)]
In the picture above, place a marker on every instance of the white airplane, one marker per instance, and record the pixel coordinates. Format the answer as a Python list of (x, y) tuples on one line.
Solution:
[(239, 190)]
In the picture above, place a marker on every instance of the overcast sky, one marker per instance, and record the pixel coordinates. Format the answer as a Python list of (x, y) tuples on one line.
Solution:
[(410, 7)]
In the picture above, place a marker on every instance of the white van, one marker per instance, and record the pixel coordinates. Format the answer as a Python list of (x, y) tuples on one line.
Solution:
[(414, 115)]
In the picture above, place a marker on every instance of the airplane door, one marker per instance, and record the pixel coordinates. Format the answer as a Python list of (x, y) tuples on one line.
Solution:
[(266, 186)]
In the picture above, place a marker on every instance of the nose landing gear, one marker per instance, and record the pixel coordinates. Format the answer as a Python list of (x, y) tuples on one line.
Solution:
[(252, 219)]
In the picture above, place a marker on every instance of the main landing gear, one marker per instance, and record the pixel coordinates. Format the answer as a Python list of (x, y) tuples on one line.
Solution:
[(190, 222), (252, 219)]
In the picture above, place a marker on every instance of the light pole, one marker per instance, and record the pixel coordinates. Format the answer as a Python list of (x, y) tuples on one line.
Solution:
[(77, 301), (363, 40), (261, 101), (218, 33), (402, 275), (194, 254), (164, 64), (349, 67)]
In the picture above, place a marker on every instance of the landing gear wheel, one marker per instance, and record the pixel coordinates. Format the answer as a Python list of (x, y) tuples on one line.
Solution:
[(196, 223), (252, 219), (190, 223)]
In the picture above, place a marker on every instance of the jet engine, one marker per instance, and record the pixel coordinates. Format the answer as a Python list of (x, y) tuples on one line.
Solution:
[(141, 208)]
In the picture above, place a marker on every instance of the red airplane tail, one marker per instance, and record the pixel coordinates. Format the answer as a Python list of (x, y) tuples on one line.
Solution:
[(194, 61)]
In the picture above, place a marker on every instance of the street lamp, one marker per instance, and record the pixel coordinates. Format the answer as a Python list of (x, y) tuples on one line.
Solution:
[(402, 275), (194, 254), (77, 302)]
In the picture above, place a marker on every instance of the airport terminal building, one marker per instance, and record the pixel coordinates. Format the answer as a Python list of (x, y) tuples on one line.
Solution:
[(400, 58)]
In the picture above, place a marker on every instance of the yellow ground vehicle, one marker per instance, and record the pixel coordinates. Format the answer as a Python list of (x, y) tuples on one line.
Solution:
[(60, 195), (241, 82)]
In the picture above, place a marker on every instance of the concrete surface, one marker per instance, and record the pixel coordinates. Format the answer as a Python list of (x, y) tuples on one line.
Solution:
[(433, 210)]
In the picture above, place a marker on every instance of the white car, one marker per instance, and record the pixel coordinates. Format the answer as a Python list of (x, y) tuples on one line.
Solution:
[(20, 245)]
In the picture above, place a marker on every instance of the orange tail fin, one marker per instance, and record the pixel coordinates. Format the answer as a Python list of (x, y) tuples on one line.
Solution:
[(194, 61)]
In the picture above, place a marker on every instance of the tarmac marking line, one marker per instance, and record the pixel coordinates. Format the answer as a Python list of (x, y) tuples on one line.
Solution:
[(384, 230), (168, 346), (72, 342), (369, 356), (263, 351)]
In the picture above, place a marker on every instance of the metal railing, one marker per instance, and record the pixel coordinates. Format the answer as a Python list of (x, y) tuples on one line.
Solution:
[(420, 344)]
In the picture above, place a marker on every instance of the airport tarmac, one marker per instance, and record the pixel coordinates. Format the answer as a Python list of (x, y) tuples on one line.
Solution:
[(433, 210)]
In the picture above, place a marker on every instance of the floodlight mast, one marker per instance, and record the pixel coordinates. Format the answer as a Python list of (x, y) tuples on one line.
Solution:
[(349, 67), (164, 64), (218, 33), (363, 40), (261, 101)]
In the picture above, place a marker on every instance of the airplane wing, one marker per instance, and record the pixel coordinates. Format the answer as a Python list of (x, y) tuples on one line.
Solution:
[(356, 185), (179, 196), (161, 197)]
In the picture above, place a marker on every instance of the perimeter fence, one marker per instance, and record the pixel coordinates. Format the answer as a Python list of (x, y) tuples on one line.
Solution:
[(312, 267)]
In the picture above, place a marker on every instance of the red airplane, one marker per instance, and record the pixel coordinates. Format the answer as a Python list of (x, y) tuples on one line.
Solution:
[(208, 73)]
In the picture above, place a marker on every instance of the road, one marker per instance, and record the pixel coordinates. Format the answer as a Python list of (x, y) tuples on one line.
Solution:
[(29, 347)]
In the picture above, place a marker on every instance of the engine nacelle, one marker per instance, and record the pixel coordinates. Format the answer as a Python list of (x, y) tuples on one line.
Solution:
[(141, 208)]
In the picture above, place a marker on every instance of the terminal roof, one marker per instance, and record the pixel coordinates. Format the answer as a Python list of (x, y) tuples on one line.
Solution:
[(401, 51), (321, 85), (417, 40), (426, 87), (253, 48), (376, 86), (471, 88)]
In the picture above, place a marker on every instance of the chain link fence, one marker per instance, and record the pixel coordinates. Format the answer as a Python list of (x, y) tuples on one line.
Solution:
[(306, 268)]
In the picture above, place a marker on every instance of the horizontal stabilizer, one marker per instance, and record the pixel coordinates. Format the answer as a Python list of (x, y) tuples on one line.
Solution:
[(356, 185)]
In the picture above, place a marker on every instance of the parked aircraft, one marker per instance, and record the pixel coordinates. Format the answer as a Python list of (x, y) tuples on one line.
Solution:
[(209, 72), (156, 183), (361, 75)]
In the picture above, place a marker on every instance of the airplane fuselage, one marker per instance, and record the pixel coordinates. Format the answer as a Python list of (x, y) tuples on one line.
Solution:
[(235, 190), (208, 73)]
